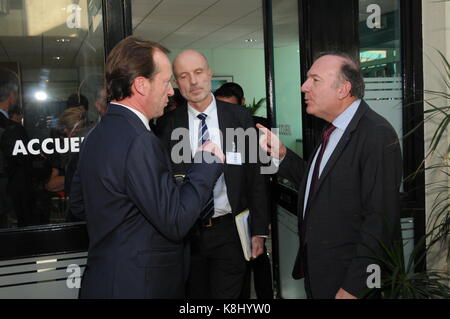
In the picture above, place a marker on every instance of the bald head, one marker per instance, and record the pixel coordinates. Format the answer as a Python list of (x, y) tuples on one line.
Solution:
[(187, 56), (193, 78)]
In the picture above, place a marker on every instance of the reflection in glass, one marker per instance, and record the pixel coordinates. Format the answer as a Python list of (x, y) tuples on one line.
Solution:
[(379, 30), (55, 51), (287, 73)]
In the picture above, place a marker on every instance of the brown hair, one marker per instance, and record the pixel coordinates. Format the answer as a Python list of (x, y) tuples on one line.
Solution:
[(130, 58)]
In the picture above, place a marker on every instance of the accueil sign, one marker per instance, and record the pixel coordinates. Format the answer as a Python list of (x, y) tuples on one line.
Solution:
[(48, 146)]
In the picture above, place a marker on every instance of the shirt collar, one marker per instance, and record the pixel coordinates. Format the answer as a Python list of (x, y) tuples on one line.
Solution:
[(141, 116), (4, 113), (342, 121), (211, 107)]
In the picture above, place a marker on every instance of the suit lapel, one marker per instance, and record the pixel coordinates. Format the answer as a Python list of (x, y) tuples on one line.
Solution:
[(342, 144), (225, 121), (302, 189)]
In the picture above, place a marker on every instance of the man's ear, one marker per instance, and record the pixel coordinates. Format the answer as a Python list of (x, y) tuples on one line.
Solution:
[(344, 90), (243, 100), (139, 85)]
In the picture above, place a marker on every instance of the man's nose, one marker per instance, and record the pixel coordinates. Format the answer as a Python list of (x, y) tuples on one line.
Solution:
[(171, 92), (305, 87), (193, 79)]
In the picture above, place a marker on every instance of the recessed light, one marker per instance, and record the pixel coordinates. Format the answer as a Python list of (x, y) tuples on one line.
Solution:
[(40, 96), (63, 40), (57, 58), (250, 40)]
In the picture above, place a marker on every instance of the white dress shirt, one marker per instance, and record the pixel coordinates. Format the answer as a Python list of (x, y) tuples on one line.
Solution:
[(141, 116), (341, 123), (221, 203)]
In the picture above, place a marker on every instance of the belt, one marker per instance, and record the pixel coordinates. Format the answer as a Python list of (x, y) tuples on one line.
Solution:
[(210, 222)]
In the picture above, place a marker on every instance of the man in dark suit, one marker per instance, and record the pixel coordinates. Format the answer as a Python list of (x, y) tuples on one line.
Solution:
[(15, 170), (349, 189), (233, 93), (217, 264), (136, 215)]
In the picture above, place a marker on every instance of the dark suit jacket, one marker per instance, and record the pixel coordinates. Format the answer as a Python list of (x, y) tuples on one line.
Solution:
[(136, 215), (245, 186), (13, 131), (355, 207)]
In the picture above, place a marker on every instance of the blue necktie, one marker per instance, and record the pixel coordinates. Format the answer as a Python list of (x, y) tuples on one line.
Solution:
[(203, 136)]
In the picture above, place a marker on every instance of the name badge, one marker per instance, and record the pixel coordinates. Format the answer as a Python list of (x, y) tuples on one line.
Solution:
[(234, 158)]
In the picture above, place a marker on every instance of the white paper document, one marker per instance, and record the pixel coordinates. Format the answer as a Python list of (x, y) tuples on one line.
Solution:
[(243, 227)]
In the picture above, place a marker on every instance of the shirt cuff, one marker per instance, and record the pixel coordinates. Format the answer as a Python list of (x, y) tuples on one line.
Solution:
[(277, 161)]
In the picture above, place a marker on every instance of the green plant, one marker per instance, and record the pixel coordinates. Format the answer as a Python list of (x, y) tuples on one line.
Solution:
[(254, 106), (402, 281), (440, 214)]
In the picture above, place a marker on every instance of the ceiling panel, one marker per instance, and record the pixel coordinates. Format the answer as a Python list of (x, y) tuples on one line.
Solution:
[(180, 24), (177, 24), (241, 43), (139, 9)]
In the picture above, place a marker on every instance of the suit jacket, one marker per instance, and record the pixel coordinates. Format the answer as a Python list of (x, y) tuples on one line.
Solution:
[(246, 187), (355, 208), (17, 168), (136, 215), (20, 164)]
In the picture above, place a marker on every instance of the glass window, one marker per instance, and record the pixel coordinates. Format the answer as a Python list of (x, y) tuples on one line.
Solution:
[(51, 60), (288, 104), (379, 31)]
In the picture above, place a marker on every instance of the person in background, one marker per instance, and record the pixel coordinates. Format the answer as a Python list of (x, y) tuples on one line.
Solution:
[(230, 92), (72, 123), (233, 93), (16, 114), (218, 265), (78, 100)]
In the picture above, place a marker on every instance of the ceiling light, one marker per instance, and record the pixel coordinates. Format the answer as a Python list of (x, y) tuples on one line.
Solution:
[(57, 58), (250, 40), (40, 96), (63, 40)]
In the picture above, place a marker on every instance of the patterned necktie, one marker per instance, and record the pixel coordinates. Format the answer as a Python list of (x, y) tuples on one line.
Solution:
[(203, 136)]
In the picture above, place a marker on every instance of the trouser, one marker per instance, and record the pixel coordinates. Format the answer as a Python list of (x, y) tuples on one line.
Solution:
[(262, 277), (307, 278), (218, 266)]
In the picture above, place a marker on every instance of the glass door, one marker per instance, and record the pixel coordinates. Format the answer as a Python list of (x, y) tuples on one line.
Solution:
[(51, 59), (288, 113)]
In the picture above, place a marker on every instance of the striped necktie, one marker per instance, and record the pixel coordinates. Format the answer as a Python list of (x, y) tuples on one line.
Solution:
[(203, 136)]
